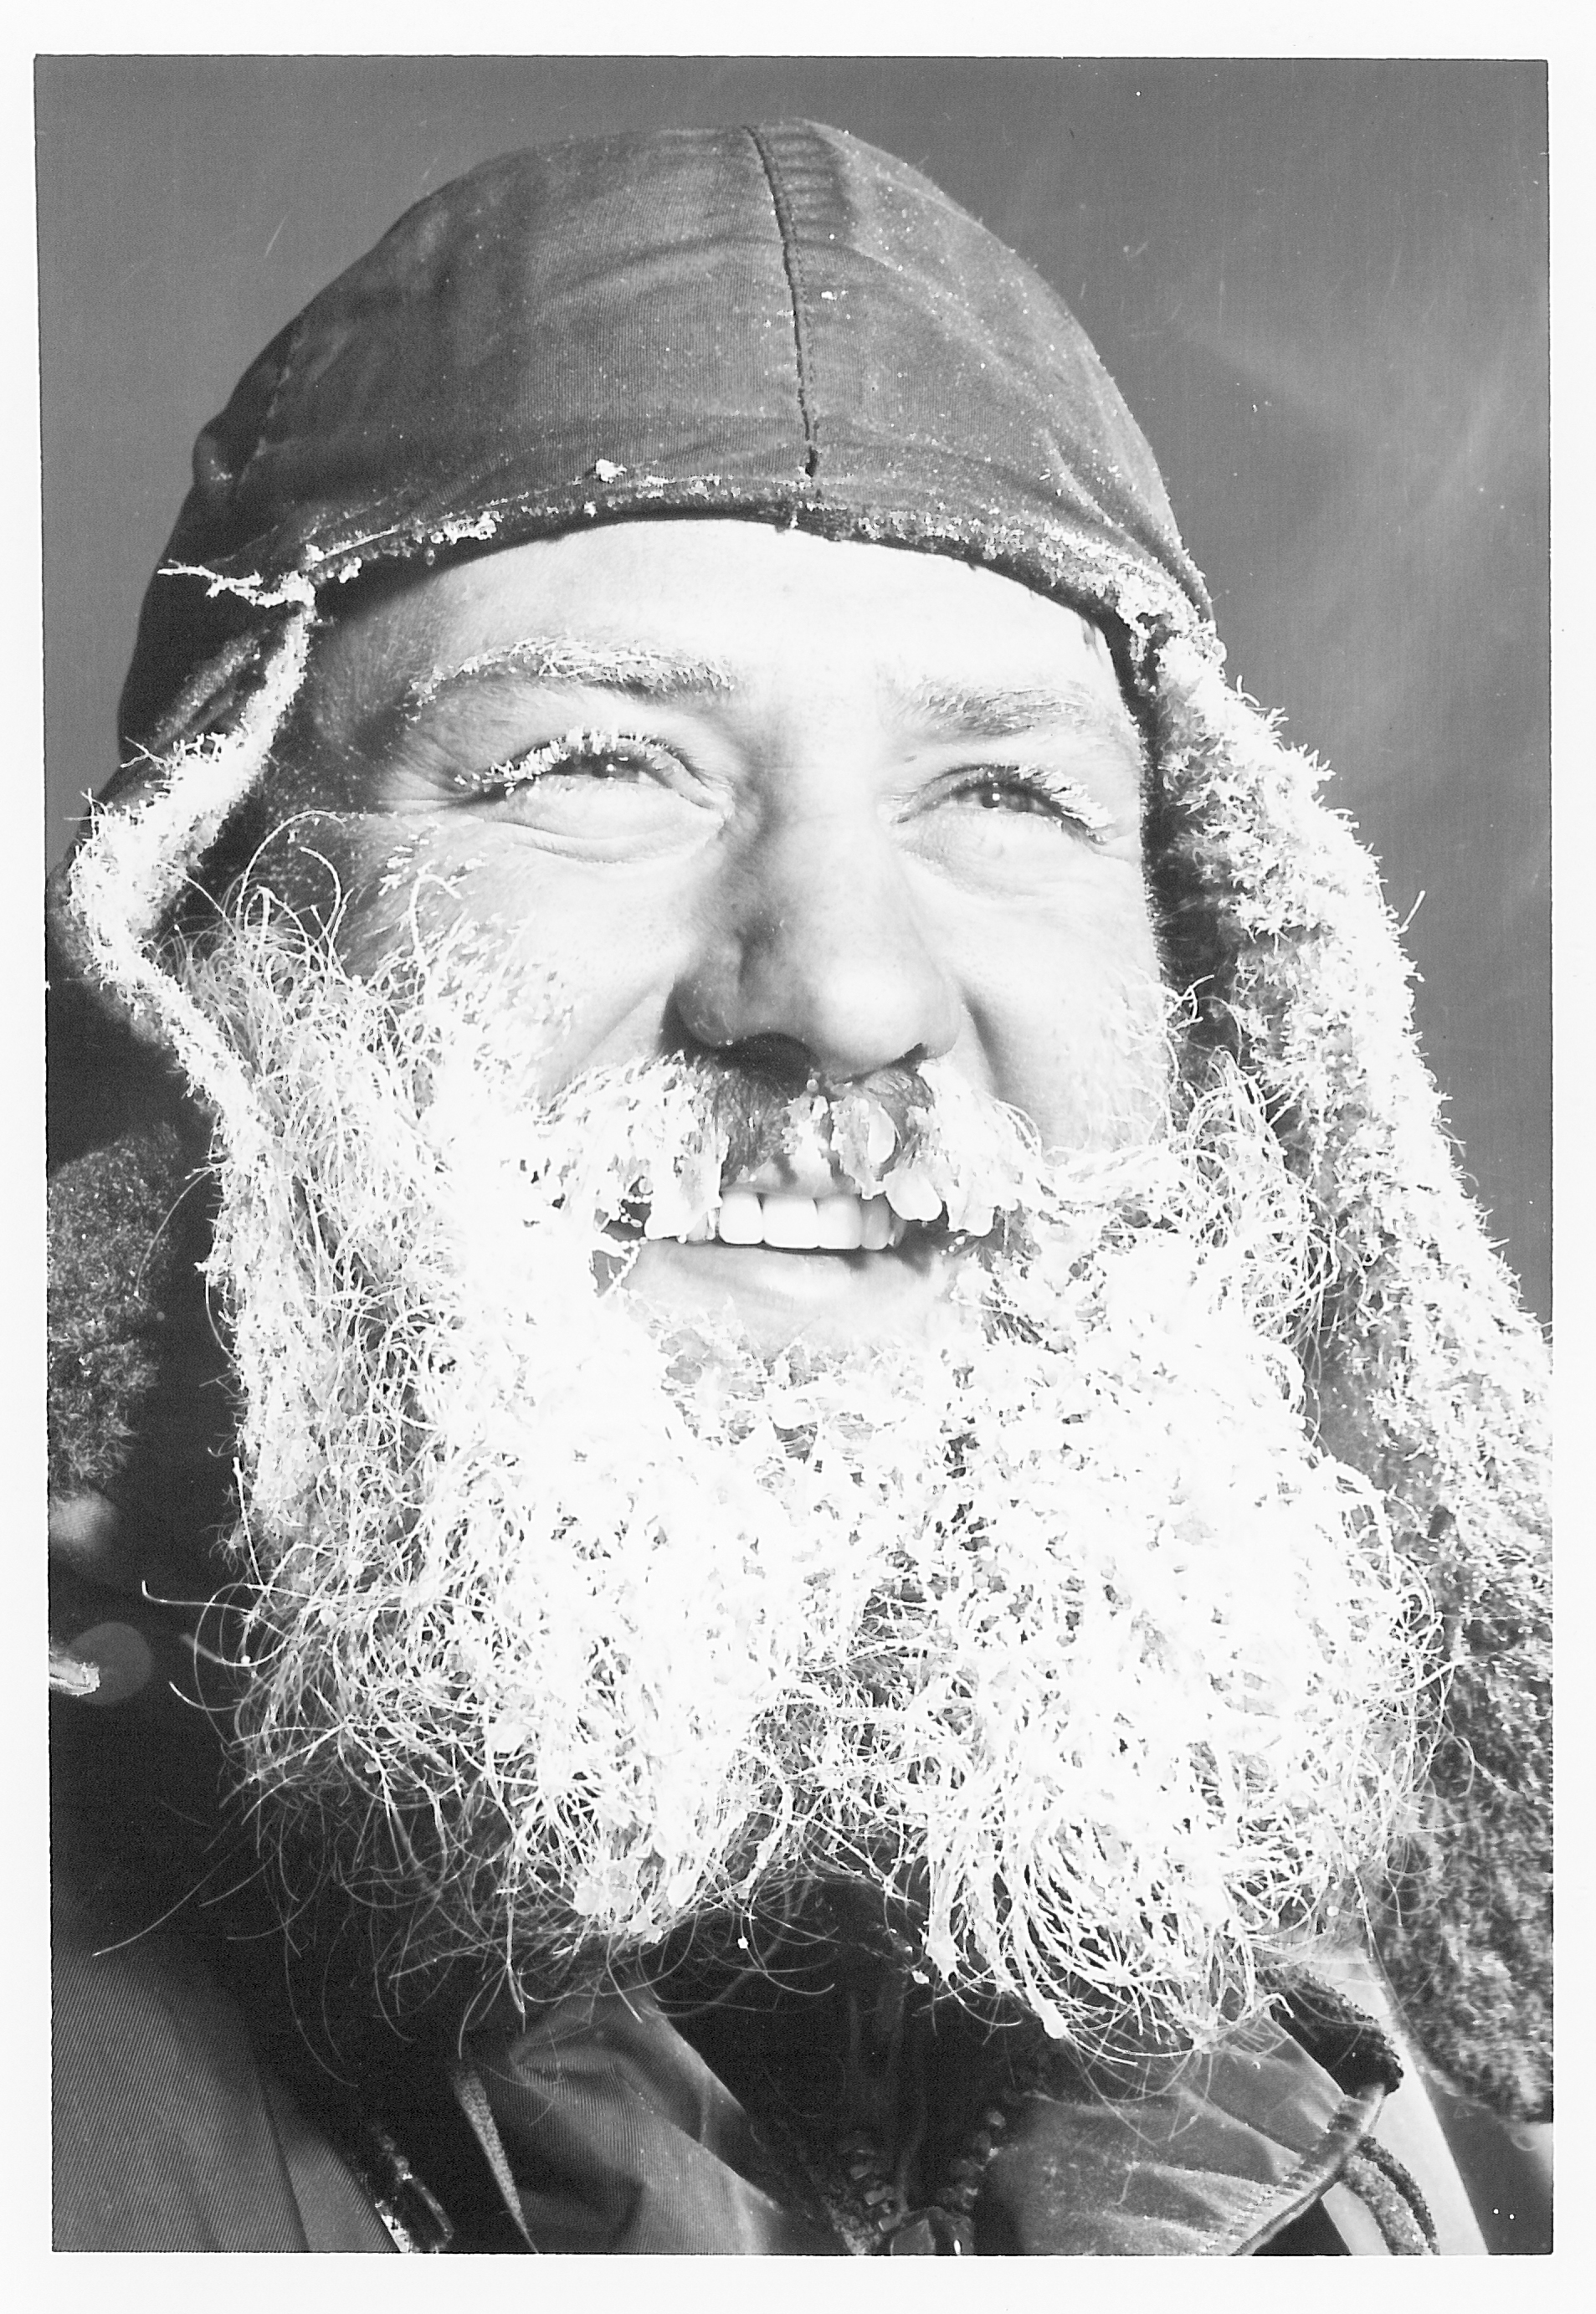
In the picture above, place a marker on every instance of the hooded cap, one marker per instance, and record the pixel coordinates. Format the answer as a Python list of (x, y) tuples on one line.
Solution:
[(779, 324)]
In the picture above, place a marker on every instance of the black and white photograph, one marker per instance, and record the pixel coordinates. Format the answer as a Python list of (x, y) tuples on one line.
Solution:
[(798, 1078)]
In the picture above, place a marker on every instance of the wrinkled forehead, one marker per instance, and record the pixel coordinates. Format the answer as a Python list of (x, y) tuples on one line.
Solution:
[(673, 612)]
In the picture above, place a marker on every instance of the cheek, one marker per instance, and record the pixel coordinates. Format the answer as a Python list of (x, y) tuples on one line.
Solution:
[(1071, 1014), (587, 958)]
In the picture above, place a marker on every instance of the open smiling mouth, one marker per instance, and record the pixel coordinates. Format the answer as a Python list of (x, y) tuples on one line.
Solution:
[(831, 1206), (784, 1221), (839, 1265), (840, 1262)]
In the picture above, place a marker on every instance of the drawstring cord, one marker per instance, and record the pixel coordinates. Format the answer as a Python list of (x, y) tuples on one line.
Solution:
[(472, 2100)]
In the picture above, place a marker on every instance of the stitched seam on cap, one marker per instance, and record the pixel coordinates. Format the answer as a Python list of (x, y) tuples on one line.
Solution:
[(794, 285)]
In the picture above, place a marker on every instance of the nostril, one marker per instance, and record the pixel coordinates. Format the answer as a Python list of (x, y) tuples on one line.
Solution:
[(785, 1063)]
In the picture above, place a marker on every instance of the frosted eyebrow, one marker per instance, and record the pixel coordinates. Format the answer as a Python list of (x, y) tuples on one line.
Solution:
[(1007, 711), (642, 672)]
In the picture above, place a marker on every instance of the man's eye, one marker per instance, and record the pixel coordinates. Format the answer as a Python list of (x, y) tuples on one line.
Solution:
[(595, 757), (600, 795), (1033, 794), (998, 794)]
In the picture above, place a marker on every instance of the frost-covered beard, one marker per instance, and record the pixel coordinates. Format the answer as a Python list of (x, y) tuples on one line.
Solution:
[(570, 1626)]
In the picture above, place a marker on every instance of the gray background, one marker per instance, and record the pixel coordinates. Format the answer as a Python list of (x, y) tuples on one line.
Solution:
[(1321, 286)]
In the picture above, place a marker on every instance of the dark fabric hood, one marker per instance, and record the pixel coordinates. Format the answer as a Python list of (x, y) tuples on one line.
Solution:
[(782, 323)]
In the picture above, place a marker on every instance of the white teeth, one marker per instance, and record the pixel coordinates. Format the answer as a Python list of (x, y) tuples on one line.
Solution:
[(802, 1224), (790, 1221), (839, 1224), (740, 1221)]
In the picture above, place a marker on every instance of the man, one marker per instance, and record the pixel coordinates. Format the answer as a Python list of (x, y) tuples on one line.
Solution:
[(885, 1499)]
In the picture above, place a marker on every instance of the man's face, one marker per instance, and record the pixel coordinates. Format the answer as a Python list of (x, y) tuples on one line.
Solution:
[(825, 810), (579, 1617)]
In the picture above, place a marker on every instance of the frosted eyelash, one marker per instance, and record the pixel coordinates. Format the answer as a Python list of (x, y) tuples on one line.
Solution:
[(570, 747)]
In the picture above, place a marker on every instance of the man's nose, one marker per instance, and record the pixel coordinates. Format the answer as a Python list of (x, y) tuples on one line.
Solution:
[(812, 939)]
